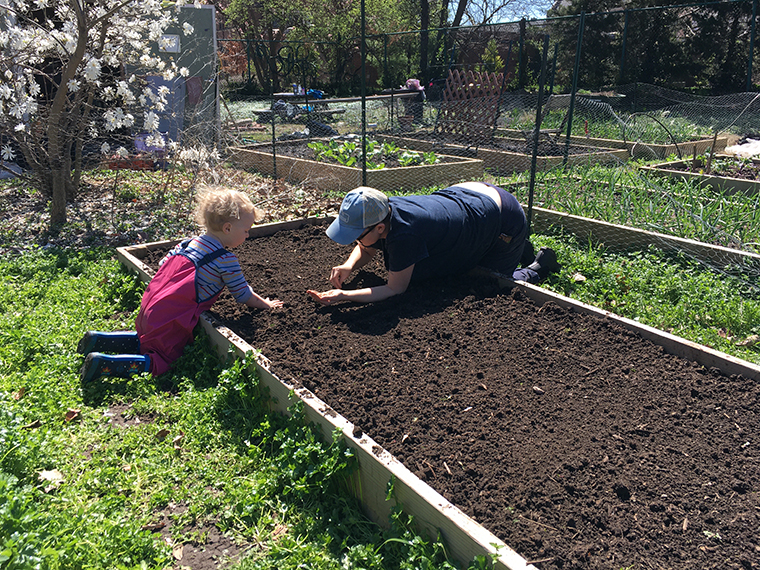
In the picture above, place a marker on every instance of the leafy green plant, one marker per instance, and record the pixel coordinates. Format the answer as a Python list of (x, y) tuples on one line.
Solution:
[(349, 154)]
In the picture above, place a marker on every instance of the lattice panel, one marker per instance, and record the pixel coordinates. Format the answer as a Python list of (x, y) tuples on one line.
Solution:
[(469, 106)]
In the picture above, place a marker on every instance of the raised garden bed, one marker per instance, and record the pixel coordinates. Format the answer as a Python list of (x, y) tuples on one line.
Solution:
[(293, 161), (570, 437), (507, 155), (727, 173), (638, 149)]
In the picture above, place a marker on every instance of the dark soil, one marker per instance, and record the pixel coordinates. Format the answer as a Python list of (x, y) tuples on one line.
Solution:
[(575, 441), (728, 167)]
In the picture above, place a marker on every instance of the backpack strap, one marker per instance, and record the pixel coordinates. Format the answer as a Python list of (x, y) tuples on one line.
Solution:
[(205, 260)]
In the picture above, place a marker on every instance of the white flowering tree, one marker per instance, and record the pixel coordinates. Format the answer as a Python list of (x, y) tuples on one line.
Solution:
[(70, 72)]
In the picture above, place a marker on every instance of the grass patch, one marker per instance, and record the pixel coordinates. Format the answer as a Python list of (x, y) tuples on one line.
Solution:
[(120, 474), (671, 293)]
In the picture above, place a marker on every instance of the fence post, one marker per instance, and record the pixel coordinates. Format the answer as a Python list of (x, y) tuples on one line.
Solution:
[(537, 131), (364, 96), (554, 68), (248, 60), (581, 24), (751, 46), (387, 81), (625, 37), (521, 70)]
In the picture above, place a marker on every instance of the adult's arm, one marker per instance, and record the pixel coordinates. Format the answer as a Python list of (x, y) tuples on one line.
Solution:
[(397, 283)]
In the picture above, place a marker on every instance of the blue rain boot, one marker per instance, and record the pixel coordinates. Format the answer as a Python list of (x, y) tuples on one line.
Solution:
[(97, 364), (119, 342)]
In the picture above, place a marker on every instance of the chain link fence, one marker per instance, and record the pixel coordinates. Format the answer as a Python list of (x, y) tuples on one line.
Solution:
[(524, 105)]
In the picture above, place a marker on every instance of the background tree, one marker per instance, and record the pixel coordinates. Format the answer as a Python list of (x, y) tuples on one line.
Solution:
[(704, 48), (63, 81), (266, 22), (320, 36)]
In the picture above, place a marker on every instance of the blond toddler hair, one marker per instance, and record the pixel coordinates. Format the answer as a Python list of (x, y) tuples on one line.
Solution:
[(218, 205)]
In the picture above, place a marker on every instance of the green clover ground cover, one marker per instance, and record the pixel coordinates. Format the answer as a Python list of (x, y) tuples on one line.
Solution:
[(671, 293), (79, 491)]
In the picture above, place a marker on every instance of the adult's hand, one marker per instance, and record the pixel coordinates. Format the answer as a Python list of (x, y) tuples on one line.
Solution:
[(339, 274), (326, 297)]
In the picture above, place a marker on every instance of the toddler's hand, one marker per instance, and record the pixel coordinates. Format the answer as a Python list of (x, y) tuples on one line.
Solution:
[(273, 303)]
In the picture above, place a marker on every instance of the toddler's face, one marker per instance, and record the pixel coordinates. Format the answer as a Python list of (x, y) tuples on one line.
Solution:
[(239, 229)]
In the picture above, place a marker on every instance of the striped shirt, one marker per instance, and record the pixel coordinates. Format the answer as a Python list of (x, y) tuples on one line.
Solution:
[(224, 271)]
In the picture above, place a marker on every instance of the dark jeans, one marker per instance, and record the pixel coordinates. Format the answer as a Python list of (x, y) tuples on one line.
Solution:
[(504, 255)]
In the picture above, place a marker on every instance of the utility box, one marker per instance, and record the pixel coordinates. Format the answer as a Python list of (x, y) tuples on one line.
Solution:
[(191, 115)]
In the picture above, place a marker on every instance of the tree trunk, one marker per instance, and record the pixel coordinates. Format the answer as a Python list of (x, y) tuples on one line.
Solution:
[(424, 36), (460, 13), (59, 151), (441, 40), (58, 179)]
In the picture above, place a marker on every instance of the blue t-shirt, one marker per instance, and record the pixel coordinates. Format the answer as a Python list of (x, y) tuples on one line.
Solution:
[(445, 233)]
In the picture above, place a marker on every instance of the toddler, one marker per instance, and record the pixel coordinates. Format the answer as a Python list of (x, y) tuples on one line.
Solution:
[(189, 280)]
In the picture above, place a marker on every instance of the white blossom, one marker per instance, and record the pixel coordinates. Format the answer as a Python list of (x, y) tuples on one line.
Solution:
[(109, 118), (92, 70), (105, 148), (16, 110), (125, 92), (122, 152), (166, 43), (21, 127), (5, 91), (68, 43), (187, 29), (73, 85), (7, 153), (198, 157), (151, 121), (184, 71), (155, 140)]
